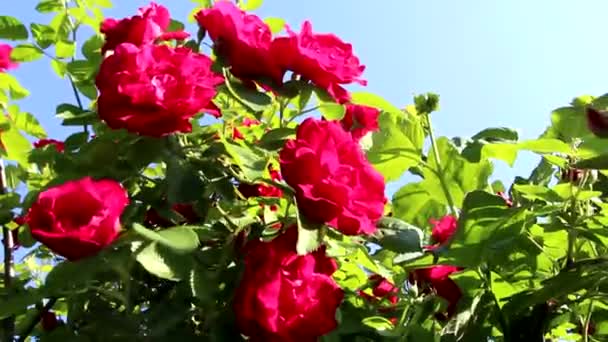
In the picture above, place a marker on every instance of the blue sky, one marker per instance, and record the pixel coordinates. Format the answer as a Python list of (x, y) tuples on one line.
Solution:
[(494, 63)]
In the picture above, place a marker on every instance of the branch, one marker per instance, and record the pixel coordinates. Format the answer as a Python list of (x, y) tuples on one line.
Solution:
[(7, 238), (32, 324)]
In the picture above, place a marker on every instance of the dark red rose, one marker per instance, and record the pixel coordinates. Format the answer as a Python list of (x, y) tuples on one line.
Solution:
[(284, 296), (5, 58), (443, 229), (597, 121), (437, 278), (324, 59), (79, 218), (59, 145), (334, 182), (155, 90), (236, 34), (360, 120), (150, 24), (49, 321), (384, 289)]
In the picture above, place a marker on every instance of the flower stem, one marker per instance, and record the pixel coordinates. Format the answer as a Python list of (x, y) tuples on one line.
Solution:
[(8, 323), (439, 172)]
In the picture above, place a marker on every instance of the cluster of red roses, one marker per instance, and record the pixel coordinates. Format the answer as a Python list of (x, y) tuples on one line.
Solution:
[(152, 88)]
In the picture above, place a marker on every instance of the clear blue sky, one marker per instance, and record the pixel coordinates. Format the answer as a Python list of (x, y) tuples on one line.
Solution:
[(494, 63)]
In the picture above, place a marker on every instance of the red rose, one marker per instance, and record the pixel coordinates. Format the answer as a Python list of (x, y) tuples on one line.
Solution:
[(334, 182), (597, 121), (284, 296), (59, 145), (79, 218), (150, 23), (443, 229), (154, 90), (241, 39), (5, 58), (49, 321), (262, 190), (323, 59), (438, 279), (384, 289), (360, 120), (247, 122)]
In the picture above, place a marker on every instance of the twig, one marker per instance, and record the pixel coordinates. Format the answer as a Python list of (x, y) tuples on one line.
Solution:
[(32, 324), (9, 322)]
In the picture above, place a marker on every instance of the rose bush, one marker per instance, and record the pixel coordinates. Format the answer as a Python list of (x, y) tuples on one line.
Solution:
[(271, 221)]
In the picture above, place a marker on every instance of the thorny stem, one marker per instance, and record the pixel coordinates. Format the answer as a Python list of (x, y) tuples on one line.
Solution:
[(8, 323), (440, 173)]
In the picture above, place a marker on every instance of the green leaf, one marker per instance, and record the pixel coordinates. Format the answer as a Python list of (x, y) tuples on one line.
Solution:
[(488, 231), (397, 146), (184, 184), (373, 100), (181, 238), (251, 99), (414, 204), (82, 70), (276, 138), (497, 134), (332, 111), (570, 122), (76, 140), (28, 123), (399, 236), (25, 53), (11, 85), (47, 6), (308, 240), (44, 35), (378, 323), (175, 25), (91, 49), (537, 192), (16, 146), (598, 163), (251, 160), (276, 24), (426, 103), (546, 146), (12, 29), (250, 5), (17, 303), (65, 49), (60, 68), (164, 262)]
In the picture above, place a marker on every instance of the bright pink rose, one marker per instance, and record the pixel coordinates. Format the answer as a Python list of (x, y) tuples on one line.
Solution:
[(154, 90), (323, 59), (79, 218), (5, 58), (438, 280), (443, 229), (59, 145), (284, 296), (360, 120), (597, 121), (334, 182), (381, 288), (150, 23), (241, 39)]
